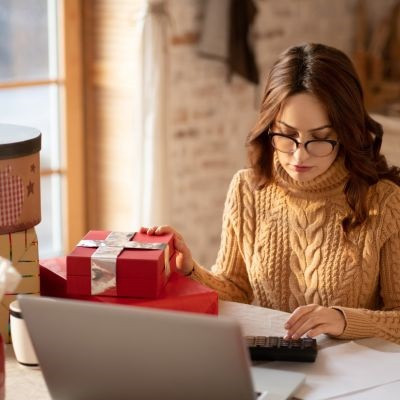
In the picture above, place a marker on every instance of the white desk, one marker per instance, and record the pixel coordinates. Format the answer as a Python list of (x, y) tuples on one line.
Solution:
[(27, 383)]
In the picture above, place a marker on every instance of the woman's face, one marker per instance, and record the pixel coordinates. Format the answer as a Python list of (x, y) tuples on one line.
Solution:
[(304, 118)]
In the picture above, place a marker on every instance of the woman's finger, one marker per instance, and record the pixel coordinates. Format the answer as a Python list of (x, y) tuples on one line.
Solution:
[(306, 324), (167, 229), (298, 313), (164, 229), (300, 322), (180, 245), (161, 230), (150, 231)]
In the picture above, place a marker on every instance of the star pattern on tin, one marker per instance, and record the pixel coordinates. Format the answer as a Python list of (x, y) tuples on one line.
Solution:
[(30, 188), (33, 168)]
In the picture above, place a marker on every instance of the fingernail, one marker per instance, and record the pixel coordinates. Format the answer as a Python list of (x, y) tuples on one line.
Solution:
[(295, 336), (287, 326)]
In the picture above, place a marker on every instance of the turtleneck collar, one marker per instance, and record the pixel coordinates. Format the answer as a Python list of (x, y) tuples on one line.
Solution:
[(329, 183)]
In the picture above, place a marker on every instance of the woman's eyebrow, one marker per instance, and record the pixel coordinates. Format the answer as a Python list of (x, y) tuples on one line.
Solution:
[(311, 130)]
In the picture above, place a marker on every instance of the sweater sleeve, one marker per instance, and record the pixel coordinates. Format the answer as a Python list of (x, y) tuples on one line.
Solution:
[(383, 323), (228, 276)]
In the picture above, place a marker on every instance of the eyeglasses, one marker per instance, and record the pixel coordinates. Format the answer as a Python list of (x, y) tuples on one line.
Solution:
[(315, 147)]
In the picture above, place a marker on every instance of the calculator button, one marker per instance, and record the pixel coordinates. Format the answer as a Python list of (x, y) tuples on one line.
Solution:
[(250, 340), (273, 340), (260, 340)]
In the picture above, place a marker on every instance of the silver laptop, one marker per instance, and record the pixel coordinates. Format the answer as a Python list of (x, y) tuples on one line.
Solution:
[(91, 351)]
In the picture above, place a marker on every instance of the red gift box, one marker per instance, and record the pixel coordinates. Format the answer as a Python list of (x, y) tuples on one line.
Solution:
[(136, 272), (179, 294)]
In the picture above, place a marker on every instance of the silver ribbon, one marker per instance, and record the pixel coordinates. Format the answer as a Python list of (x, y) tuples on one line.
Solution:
[(104, 260)]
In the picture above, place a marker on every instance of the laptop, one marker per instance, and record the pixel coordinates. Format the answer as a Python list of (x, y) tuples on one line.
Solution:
[(90, 351)]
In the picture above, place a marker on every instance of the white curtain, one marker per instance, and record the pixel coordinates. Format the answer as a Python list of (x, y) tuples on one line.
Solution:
[(150, 205)]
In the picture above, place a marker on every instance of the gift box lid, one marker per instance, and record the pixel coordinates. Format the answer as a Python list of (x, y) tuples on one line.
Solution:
[(131, 263), (18, 141)]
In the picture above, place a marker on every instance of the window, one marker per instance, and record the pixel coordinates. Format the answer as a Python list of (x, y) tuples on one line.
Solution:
[(34, 91)]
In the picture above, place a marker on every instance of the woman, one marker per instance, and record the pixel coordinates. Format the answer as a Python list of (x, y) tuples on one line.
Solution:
[(313, 226)]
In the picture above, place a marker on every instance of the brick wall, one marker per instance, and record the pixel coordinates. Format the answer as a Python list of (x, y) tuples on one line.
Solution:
[(209, 118)]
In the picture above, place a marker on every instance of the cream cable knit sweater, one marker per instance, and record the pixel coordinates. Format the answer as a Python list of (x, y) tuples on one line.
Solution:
[(284, 247)]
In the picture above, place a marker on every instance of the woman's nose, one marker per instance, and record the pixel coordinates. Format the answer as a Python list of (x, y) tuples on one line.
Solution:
[(301, 154)]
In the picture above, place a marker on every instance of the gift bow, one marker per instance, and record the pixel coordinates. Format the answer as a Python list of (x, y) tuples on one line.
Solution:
[(104, 260)]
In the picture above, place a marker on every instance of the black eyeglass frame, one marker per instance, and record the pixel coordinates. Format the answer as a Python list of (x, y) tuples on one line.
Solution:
[(271, 135)]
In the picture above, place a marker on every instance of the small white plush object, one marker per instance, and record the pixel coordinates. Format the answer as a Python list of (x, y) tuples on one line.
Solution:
[(9, 277)]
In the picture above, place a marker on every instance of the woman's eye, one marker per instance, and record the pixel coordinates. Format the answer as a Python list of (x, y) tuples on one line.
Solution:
[(290, 134), (325, 137)]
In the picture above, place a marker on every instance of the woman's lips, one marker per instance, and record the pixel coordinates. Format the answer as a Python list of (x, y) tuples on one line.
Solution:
[(301, 168)]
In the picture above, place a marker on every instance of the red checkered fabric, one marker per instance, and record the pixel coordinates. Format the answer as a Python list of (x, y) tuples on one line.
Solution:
[(11, 197)]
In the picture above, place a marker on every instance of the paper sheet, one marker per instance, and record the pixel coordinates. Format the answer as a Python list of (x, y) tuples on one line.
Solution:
[(391, 391), (348, 368), (255, 320)]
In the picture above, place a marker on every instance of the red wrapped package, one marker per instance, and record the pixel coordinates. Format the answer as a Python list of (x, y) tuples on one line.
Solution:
[(179, 294), (120, 264)]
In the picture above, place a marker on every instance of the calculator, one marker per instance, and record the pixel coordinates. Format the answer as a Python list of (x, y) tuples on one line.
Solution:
[(275, 348)]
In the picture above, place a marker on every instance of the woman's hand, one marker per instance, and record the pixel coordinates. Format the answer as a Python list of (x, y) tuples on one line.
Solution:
[(184, 260), (314, 320)]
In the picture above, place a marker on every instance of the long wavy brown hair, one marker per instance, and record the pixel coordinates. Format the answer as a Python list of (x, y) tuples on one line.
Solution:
[(330, 76)]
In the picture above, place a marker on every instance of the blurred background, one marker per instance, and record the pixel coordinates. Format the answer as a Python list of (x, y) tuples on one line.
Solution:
[(144, 106)]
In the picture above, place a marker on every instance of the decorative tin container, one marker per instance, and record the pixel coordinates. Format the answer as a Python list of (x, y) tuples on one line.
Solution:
[(19, 178)]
